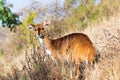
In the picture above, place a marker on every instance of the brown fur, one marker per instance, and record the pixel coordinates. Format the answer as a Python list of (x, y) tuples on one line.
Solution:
[(76, 47), (77, 44)]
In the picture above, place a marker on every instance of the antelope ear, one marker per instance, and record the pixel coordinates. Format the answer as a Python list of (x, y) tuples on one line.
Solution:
[(46, 23), (32, 27)]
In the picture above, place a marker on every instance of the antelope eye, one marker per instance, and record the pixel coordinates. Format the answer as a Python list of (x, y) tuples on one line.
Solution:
[(35, 29), (42, 28)]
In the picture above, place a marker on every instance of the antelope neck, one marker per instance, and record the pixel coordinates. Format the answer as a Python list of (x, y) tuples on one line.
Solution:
[(41, 39), (43, 42)]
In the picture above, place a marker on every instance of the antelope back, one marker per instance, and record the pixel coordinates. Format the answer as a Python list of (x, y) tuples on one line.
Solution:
[(76, 47)]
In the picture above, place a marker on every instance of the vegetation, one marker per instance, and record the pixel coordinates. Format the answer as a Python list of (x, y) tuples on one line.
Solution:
[(37, 66), (88, 12), (8, 18), (29, 37)]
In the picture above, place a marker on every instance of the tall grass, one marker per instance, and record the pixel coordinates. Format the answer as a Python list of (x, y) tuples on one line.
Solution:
[(38, 66), (88, 12)]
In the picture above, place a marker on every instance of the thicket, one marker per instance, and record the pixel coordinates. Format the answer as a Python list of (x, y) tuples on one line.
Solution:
[(88, 12), (36, 68)]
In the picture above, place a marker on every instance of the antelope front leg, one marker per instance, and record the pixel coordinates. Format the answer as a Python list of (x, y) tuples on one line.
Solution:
[(77, 72), (71, 71)]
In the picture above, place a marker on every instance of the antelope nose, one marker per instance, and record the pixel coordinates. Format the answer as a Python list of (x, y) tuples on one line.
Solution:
[(40, 36)]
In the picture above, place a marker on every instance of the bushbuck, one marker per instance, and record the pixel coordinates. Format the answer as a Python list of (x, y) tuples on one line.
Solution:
[(72, 48)]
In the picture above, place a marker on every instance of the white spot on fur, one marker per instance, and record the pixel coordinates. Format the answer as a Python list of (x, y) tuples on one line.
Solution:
[(41, 41), (48, 51)]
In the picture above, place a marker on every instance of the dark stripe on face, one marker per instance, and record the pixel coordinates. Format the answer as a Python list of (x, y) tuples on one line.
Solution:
[(38, 31)]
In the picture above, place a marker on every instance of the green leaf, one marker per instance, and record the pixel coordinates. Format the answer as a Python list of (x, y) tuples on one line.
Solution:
[(7, 17), (4, 18), (1, 8)]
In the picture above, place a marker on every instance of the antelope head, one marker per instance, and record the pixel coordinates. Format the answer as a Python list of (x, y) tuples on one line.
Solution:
[(39, 29)]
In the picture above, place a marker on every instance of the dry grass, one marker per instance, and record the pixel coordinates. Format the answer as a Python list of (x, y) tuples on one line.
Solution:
[(33, 64), (107, 41)]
